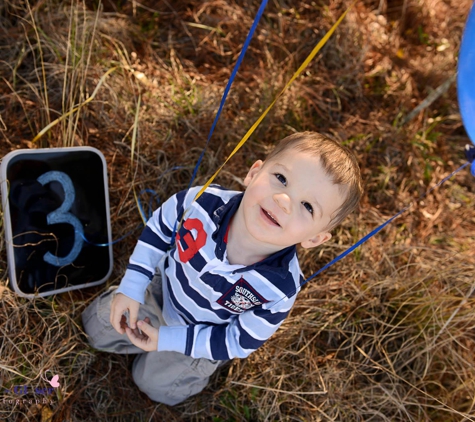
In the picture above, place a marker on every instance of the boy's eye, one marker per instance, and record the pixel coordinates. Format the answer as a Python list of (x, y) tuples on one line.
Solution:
[(281, 178), (308, 207)]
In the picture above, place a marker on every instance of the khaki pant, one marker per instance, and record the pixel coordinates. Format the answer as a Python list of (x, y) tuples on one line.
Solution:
[(166, 377)]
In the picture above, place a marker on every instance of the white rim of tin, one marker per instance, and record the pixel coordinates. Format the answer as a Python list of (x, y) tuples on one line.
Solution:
[(8, 229)]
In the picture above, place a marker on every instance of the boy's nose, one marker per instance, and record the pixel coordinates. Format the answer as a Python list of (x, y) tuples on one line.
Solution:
[(283, 201)]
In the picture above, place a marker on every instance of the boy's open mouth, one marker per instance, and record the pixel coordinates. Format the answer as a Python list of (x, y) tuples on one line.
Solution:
[(272, 219)]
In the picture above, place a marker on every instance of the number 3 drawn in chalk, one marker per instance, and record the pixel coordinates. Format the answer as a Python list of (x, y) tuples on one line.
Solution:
[(61, 215)]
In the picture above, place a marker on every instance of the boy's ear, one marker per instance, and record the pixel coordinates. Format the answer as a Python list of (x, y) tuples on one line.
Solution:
[(316, 241), (253, 171)]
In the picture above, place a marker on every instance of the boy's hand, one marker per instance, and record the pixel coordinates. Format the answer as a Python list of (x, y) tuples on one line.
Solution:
[(121, 304), (144, 336)]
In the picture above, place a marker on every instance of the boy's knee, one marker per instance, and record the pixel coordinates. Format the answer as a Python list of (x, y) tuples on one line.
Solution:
[(96, 317), (170, 377)]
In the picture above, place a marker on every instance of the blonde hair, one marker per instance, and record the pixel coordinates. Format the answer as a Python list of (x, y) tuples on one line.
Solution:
[(339, 163)]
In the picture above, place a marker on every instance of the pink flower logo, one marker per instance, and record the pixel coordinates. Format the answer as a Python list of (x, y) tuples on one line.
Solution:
[(54, 381)]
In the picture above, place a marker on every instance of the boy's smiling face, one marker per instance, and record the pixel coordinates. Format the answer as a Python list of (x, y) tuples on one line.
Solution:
[(289, 200)]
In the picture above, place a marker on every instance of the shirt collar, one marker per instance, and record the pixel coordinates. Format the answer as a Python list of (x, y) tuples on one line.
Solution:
[(277, 263)]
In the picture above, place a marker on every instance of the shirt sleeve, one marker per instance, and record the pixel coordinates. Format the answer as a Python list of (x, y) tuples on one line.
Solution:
[(153, 243), (237, 339)]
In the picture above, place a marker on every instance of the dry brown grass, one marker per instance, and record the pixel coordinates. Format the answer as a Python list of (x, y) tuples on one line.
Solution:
[(387, 334)]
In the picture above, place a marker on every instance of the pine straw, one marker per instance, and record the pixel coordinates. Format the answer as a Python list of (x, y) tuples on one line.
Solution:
[(387, 334)]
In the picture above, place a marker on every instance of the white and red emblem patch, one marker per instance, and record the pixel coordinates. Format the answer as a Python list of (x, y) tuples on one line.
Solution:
[(241, 297)]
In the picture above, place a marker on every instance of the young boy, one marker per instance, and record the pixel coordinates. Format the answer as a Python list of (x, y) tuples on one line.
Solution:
[(232, 275)]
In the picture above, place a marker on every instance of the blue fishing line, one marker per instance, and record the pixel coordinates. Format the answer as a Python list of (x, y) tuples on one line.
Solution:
[(150, 203), (114, 241), (225, 94), (230, 82), (142, 212), (382, 226), (155, 195)]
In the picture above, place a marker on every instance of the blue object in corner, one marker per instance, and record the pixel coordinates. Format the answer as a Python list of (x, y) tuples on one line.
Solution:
[(466, 77)]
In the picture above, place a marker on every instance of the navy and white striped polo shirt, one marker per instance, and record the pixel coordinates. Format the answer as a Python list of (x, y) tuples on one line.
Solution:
[(213, 309)]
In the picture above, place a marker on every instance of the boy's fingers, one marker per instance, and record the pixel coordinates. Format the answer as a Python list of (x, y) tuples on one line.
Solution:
[(142, 338), (116, 322), (135, 339), (132, 337), (115, 317), (140, 335), (123, 322), (144, 326), (133, 313)]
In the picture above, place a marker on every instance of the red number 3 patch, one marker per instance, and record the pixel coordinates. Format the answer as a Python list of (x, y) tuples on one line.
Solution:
[(193, 245)]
